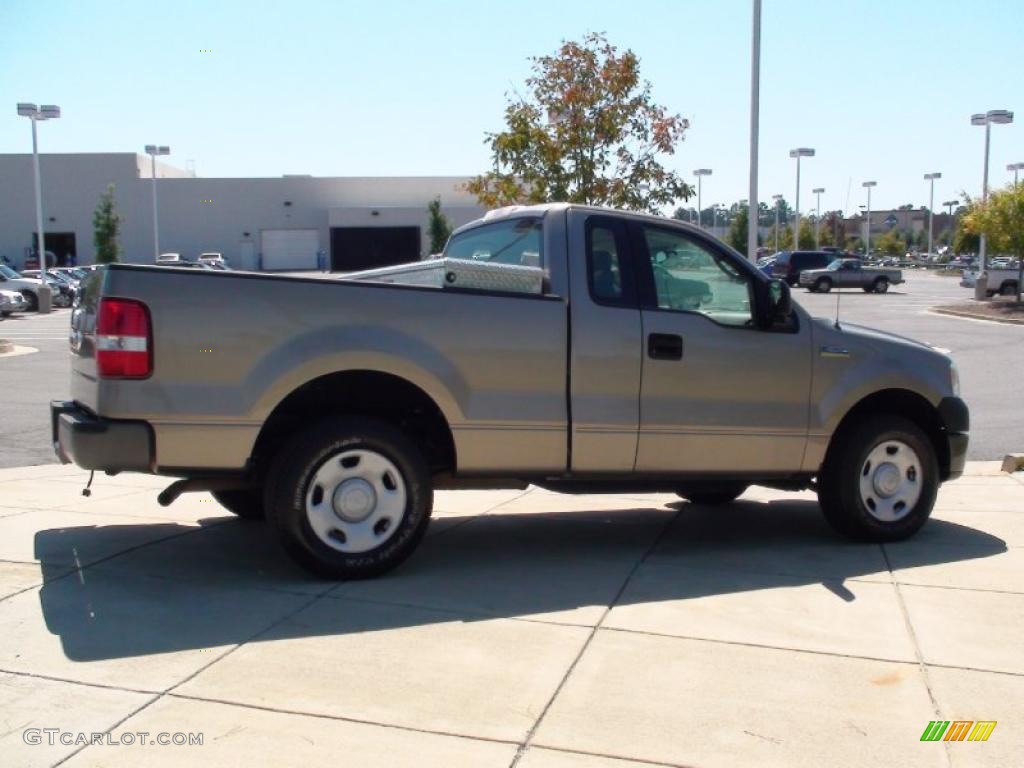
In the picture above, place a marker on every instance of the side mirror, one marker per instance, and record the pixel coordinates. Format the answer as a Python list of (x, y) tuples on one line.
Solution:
[(778, 304)]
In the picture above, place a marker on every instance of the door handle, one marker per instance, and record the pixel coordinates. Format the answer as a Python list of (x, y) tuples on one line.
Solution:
[(665, 346)]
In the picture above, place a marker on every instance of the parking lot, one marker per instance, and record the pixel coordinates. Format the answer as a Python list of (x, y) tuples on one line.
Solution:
[(530, 629)]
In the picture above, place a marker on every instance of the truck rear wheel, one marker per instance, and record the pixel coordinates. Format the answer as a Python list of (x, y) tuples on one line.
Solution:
[(350, 498), (881, 285), (247, 503), (712, 494), (880, 480)]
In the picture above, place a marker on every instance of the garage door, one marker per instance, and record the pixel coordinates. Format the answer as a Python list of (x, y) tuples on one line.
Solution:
[(289, 248), (371, 247)]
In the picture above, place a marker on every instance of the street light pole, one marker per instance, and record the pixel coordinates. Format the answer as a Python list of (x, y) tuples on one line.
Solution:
[(38, 114), (776, 198), (1015, 167), (1000, 116), (930, 178), (753, 219), (700, 173), (817, 218), (952, 222), (867, 247), (798, 153), (153, 150)]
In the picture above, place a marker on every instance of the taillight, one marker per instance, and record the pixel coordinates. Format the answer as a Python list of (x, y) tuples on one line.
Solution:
[(122, 340)]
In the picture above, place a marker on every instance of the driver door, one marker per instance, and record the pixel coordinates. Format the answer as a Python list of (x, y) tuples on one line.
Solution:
[(717, 393), (849, 274)]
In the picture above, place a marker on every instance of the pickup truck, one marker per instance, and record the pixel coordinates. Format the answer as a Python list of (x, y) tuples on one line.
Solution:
[(850, 273), (1002, 281), (650, 358)]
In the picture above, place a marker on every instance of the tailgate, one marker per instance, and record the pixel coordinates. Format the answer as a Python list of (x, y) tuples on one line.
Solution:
[(82, 340)]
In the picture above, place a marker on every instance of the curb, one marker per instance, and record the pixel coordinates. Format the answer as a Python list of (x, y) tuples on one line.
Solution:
[(1013, 462), (5, 346), (14, 350), (976, 316)]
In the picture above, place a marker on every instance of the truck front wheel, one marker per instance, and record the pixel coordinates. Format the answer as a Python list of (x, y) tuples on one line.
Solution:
[(350, 498), (822, 285), (881, 285), (879, 480)]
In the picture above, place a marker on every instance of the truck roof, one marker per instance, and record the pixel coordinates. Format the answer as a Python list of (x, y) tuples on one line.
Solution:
[(540, 209)]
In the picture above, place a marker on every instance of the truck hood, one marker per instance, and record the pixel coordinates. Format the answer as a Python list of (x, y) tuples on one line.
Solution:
[(880, 340)]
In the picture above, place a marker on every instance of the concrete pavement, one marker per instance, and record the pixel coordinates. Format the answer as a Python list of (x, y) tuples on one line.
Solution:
[(531, 629)]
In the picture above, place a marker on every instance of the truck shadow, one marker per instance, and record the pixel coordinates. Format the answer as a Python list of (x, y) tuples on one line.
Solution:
[(177, 587)]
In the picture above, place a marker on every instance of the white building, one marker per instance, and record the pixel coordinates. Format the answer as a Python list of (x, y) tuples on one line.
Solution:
[(263, 223)]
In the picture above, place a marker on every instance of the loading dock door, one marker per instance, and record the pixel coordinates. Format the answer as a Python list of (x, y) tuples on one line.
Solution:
[(289, 249), (370, 247)]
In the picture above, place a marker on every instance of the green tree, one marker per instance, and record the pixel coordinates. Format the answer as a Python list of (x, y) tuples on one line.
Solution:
[(1001, 220), (785, 237), (106, 226), (438, 226), (806, 240), (892, 243), (965, 241), (739, 229), (588, 132)]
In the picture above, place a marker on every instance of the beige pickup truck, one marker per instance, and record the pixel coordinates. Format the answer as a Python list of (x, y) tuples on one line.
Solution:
[(611, 352)]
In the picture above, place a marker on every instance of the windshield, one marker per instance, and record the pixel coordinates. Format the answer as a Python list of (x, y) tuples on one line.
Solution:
[(837, 264), (8, 272)]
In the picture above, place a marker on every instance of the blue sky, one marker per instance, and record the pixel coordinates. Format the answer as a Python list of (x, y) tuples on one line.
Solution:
[(882, 90)]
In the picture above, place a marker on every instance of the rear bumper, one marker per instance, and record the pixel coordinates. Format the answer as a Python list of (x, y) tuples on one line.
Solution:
[(99, 444)]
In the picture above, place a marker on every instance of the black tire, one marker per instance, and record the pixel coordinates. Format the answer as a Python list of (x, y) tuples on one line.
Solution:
[(881, 285), (33, 301), (1008, 289), (247, 503), (839, 482), (722, 493), (822, 285), (294, 468), (868, 288)]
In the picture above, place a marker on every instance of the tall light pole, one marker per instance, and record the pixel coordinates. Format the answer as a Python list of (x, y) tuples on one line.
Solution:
[(153, 150), (817, 217), (36, 115), (755, 95), (952, 222), (867, 240), (798, 153), (700, 173), (776, 198), (1015, 167), (930, 178), (1001, 117)]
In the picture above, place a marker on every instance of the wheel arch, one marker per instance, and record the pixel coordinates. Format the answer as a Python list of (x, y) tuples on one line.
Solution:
[(899, 402), (363, 392)]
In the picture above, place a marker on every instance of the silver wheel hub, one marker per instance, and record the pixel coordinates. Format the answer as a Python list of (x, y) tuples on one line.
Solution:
[(356, 500), (891, 480)]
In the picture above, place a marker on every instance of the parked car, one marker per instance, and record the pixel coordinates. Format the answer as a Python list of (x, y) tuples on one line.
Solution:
[(850, 273), (214, 259), (335, 407), (11, 280), (11, 302), (169, 258), (61, 294), (789, 264), (1002, 281)]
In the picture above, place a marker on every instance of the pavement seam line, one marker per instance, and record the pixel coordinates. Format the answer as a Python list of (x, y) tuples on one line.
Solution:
[(68, 680), (107, 731), (922, 667), (620, 758), (527, 742)]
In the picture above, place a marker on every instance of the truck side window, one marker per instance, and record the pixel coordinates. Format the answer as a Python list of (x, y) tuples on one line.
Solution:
[(689, 277), (508, 241), (604, 265)]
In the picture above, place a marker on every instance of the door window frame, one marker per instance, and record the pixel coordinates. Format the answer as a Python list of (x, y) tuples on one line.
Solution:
[(623, 245), (648, 292)]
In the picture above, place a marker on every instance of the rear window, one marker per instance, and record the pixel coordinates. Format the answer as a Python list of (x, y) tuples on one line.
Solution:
[(510, 241)]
